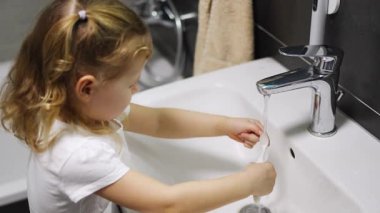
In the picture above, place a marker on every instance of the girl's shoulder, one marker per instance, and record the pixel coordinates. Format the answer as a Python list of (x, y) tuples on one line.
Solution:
[(75, 144), (79, 163)]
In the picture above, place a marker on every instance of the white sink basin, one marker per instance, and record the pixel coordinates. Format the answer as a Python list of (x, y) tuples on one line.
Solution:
[(336, 174)]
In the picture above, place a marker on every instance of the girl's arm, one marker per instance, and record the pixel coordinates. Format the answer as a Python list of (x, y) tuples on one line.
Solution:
[(178, 123), (137, 191)]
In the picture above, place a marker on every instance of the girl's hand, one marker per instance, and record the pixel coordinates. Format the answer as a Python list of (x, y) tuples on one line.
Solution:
[(262, 176), (244, 130)]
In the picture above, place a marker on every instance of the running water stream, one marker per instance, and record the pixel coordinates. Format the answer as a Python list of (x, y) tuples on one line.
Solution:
[(264, 144), (256, 206)]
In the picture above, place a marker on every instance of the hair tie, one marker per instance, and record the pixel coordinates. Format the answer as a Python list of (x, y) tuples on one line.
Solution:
[(82, 15)]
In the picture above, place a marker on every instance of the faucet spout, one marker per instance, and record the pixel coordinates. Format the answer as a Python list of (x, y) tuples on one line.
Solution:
[(322, 77), (291, 80)]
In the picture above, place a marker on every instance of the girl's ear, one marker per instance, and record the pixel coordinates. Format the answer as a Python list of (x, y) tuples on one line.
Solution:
[(85, 87)]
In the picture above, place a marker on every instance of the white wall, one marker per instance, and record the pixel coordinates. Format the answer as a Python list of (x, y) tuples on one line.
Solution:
[(16, 19)]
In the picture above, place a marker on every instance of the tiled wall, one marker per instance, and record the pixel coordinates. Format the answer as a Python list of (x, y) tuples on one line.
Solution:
[(355, 29)]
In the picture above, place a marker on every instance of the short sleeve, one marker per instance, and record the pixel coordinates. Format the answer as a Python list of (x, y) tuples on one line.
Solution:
[(93, 166)]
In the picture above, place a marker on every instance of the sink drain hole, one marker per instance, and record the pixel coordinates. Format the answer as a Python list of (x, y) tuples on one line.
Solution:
[(253, 208), (292, 153)]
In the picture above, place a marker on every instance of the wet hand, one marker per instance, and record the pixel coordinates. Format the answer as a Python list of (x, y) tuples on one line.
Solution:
[(262, 176), (244, 130)]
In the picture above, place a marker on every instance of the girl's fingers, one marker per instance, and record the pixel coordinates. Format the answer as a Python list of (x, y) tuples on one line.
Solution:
[(249, 137), (236, 138), (248, 146), (257, 127)]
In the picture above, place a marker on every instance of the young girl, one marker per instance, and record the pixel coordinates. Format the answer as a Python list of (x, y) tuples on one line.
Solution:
[(76, 73)]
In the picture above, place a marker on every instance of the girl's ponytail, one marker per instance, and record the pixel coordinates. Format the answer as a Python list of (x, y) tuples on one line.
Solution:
[(71, 38)]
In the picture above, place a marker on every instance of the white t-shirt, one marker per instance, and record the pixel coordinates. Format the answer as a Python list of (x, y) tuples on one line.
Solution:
[(64, 178)]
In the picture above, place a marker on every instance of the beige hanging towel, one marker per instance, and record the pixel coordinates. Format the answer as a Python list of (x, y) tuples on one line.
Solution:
[(225, 34)]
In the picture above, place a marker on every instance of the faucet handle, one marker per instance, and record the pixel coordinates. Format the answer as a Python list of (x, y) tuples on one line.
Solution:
[(326, 58)]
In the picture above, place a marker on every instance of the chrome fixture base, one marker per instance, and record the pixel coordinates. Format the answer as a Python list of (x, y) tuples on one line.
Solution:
[(322, 134), (321, 76)]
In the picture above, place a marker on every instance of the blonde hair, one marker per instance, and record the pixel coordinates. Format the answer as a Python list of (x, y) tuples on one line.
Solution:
[(71, 38)]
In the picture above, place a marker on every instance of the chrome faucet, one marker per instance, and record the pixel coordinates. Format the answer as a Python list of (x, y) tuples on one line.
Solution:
[(322, 76)]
